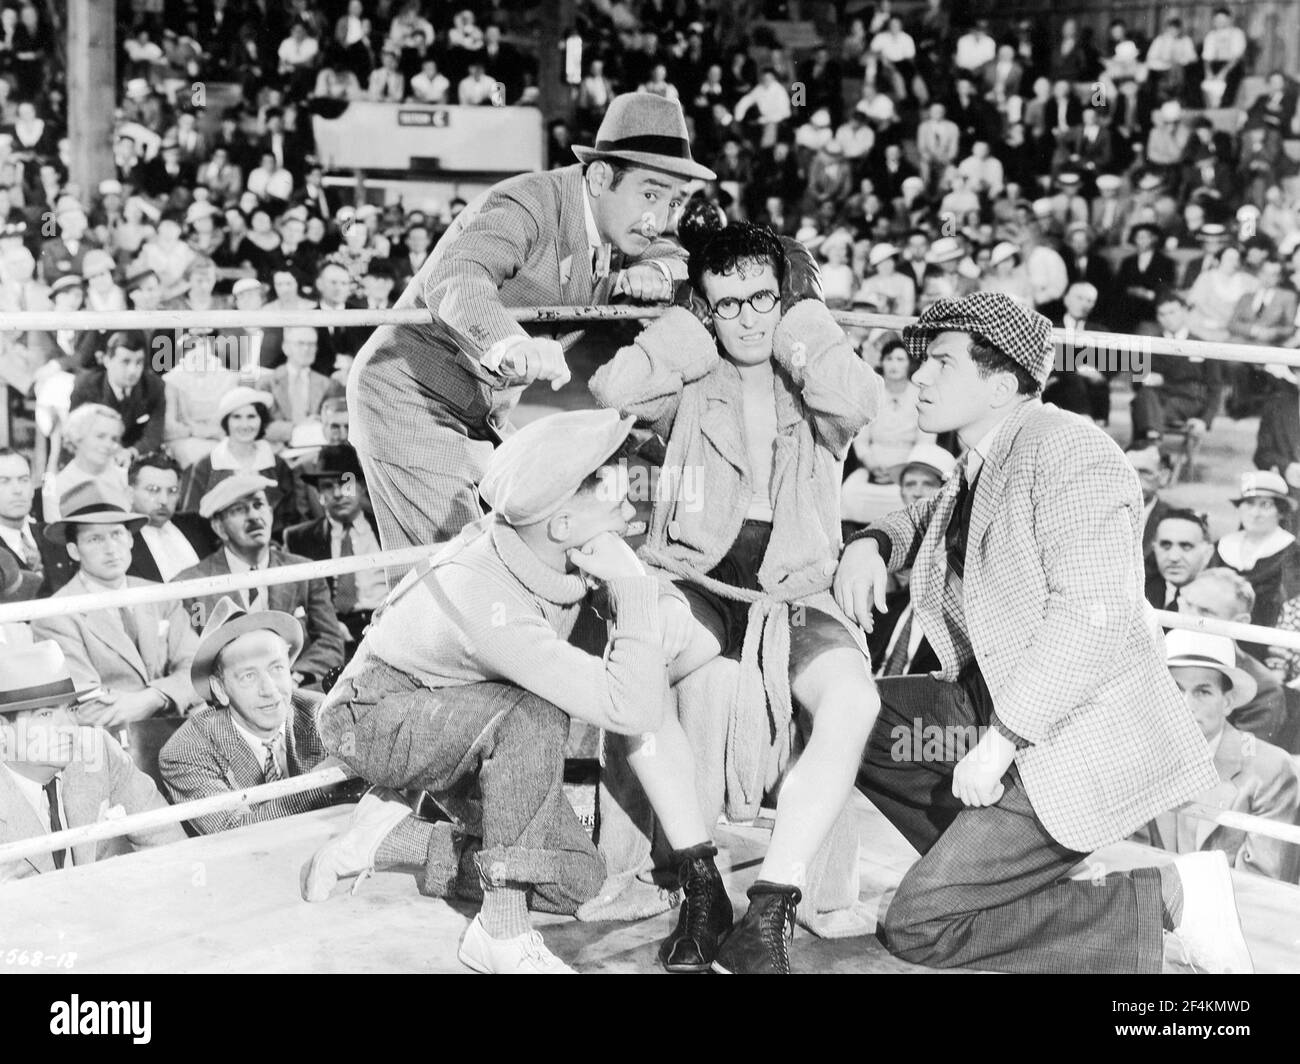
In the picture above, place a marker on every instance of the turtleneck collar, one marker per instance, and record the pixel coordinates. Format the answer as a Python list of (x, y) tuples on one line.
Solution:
[(564, 589)]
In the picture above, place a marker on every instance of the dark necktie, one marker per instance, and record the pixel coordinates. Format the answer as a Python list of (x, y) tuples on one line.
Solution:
[(56, 821), (959, 525), (253, 591), (345, 587)]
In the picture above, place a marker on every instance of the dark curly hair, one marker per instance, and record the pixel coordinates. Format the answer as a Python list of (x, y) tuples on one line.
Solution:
[(719, 249)]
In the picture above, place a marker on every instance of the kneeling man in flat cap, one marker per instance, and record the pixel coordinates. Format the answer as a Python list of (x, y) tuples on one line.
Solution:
[(1062, 729), (469, 674), (758, 407)]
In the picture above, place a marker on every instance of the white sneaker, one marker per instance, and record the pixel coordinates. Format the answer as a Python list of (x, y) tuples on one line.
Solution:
[(1210, 929), (353, 853), (525, 955)]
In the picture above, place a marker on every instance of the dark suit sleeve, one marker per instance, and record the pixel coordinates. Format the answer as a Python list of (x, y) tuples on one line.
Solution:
[(86, 388), (155, 398), (1213, 390), (1272, 448), (324, 650)]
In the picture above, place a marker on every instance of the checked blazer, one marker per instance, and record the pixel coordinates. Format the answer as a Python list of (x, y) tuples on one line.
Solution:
[(522, 243), (1051, 609), (207, 756)]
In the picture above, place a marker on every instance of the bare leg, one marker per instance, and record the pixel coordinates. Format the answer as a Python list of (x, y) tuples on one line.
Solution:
[(837, 692)]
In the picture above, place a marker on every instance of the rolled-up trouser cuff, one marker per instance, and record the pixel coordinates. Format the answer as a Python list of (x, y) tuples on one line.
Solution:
[(502, 866)]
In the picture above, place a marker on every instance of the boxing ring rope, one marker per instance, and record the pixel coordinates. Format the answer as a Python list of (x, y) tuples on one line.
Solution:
[(160, 320), (334, 774)]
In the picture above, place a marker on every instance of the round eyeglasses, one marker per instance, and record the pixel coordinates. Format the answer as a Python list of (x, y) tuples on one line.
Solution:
[(729, 307)]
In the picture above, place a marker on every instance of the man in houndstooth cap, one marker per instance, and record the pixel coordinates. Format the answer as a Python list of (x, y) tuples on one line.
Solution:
[(1063, 731)]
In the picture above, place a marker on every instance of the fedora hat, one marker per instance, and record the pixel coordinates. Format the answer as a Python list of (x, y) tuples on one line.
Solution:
[(645, 130), (305, 439), (16, 583), (35, 676), (84, 505), (66, 282), (1002, 252), (880, 253), (1190, 649), (228, 622), (229, 490), (335, 461), (945, 249)]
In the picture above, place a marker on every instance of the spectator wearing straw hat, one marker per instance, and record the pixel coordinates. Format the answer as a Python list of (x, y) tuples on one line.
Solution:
[(139, 655), (1051, 650), (56, 774), (66, 253), (428, 402), (73, 349), (1255, 777), (239, 509), (257, 727), (1262, 550), (244, 415), (893, 291), (123, 383)]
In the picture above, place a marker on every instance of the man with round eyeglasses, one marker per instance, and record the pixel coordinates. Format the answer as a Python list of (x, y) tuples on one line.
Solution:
[(170, 541)]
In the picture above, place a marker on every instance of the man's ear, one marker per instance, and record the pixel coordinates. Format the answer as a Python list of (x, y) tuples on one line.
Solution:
[(73, 553), (598, 176), (219, 694), (559, 527)]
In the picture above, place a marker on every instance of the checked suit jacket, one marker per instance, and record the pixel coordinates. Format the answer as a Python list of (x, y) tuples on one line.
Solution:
[(1051, 610), (207, 756), (522, 243)]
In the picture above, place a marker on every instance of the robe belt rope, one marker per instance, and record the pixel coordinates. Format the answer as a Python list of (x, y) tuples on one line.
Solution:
[(334, 774)]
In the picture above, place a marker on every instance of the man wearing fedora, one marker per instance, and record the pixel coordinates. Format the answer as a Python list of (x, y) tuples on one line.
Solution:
[(1255, 777), (138, 655), (470, 675), (257, 726), (343, 530), (239, 509), (429, 401), (1051, 669), (56, 774)]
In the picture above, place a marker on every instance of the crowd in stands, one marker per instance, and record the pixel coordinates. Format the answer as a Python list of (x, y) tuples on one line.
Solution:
[(1141, 186)]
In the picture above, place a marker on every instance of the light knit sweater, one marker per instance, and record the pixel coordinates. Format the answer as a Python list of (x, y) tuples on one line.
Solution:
[(490, 609)]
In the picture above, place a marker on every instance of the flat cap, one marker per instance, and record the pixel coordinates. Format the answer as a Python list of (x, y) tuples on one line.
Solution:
[(541, 466), (229, 490), (1025, 336)]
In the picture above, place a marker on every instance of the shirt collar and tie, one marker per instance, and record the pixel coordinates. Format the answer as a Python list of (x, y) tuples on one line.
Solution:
[(269, 753)]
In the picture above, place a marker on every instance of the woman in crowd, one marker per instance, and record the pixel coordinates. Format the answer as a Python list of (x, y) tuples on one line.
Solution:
[(871, 491), (1008, 275), (1261, 550), (92, 434), (1214, 295), (244, 414), (888, 289)]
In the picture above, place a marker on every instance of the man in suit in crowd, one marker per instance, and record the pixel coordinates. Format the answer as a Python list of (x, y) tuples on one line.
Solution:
[(1180, 550), (56, 774), (20, 535), (1177, 391), (1084, 263), (1142, 278), (1048, 657), (1277, 445), (428, 402), (333, 286), (239, 509), (1109, 212), (1254, 776), (169, 542), (66, 252), (1225, 595), (123, 384), (343, 530), (937, 142), (138, 655), (297, 388), (1081, 386), (1268, 314), (256, 727), (74, 349), (1152, 469)]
